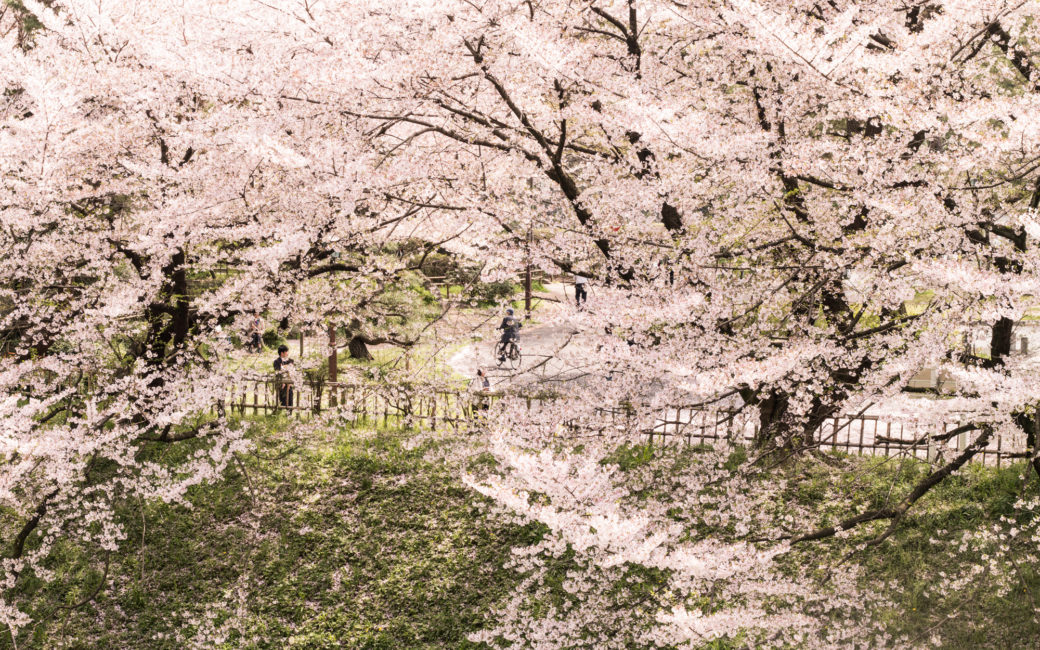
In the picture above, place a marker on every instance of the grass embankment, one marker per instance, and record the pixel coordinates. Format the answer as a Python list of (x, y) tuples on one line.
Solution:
[(367, 539), (991, 598), (354, 541), (927, 548)]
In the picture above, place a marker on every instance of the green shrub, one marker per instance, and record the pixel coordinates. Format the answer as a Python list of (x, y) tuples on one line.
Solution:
[(273, 339), (492, 293)]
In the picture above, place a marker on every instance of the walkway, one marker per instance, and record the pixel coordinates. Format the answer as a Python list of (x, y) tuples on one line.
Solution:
[(550, 345)]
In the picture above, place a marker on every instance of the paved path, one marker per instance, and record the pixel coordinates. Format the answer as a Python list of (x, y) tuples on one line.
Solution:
[(550, 346), (552, 350)]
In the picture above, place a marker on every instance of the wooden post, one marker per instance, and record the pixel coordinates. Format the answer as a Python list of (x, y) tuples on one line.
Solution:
[(527, 290), (527, 277), (332, 366)]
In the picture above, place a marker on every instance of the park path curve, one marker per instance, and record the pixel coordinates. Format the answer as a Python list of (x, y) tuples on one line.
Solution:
[(541, 341)]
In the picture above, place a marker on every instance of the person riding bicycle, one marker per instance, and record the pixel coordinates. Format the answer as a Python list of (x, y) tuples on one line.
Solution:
[(511, 330)]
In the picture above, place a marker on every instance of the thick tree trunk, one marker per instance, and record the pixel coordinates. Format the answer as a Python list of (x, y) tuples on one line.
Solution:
[(1034, 440), (169, 317), (358, 348), (770, 420), (1000, 340), (181, 313), (1030, 423), (777, 432)]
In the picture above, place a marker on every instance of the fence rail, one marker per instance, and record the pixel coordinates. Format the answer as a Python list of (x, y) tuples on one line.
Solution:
[(864, 435), (406, 406), (428, 408)]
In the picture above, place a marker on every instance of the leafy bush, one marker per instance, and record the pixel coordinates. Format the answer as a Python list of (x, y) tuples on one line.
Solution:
[(493, 292), (273, 339)]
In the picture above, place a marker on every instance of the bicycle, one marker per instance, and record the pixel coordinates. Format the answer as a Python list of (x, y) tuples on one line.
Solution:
[(509, 352)]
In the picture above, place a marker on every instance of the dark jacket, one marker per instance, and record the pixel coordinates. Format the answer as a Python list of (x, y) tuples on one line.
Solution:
[(510, 324)]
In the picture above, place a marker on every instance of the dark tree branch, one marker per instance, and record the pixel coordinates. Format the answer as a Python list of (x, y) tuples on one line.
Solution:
[(896, 512), (18, 547)]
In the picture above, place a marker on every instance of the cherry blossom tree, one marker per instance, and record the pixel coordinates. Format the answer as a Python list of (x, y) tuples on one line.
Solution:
[(751, 174), (788, 209), (791, 208), (707, 167), (155, 195)]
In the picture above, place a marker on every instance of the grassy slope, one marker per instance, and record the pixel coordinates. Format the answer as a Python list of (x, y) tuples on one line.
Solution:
[(907, 568), (367, 539), (354, 542), (911, 562)]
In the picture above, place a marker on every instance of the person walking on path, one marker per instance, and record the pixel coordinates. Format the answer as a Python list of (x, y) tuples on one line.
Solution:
[(281, 364), (481, 386), (580, 295)]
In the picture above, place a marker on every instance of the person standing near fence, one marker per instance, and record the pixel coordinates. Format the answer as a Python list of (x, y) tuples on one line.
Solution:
[(482, 384), (580, 295), (256, 332), (281, 364)]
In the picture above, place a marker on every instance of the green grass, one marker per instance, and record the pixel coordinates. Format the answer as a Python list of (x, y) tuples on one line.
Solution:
[(447, 291), (381, 356), (925, 546), (917, 304), (907, 568), (365, 538), (355, 541)]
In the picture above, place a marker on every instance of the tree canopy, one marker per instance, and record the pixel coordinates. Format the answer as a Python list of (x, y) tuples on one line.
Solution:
[(787, 209)]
